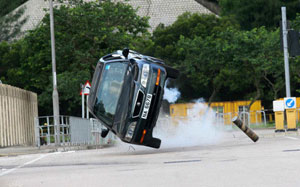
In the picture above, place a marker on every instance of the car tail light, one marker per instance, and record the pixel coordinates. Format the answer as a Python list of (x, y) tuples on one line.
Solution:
[(130, 131), (158, 77), (145, 74), (143, 135)]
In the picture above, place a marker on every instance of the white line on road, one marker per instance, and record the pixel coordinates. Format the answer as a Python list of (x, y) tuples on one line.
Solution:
[(292, 138), (22, 165)]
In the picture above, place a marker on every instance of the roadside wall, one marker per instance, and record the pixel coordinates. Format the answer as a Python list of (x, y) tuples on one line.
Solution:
[(165, 11), (17, 111), (159, 11)]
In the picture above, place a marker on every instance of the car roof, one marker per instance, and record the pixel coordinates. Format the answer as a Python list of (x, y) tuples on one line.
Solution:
[(118, 55)]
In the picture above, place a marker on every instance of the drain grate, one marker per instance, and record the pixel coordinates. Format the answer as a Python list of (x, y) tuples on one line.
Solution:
[(181, 161)]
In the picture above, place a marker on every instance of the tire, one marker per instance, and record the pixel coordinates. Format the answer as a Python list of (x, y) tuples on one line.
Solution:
[(171, 72), (154, 143)]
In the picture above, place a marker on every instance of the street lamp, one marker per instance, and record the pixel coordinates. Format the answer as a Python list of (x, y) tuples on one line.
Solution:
[(286, 53), (55, 98)]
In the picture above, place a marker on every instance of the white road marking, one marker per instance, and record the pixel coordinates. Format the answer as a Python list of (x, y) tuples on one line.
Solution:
[(22, 165), (7, 171), (292, 138)]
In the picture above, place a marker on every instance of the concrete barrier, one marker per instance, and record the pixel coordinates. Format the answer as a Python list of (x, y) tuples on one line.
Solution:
[(17, 111)]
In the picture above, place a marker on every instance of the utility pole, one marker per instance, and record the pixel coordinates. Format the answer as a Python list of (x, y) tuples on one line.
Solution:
[(286, 53), (55, 98), (82, 100)]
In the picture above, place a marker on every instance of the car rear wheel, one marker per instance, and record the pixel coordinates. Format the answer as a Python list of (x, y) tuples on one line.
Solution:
[(154, 142), (171, 72)]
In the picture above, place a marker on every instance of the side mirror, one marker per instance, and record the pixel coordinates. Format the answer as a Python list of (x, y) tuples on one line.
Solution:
[(104, 133), (125, 52)]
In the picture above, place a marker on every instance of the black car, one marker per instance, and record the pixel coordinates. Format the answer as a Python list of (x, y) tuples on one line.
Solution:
[(126, 95)]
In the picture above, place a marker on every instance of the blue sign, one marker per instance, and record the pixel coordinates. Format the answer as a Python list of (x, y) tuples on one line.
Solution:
[(290, 103)]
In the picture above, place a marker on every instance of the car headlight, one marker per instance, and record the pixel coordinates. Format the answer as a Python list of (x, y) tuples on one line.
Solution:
[(145, 74), (130, 131)]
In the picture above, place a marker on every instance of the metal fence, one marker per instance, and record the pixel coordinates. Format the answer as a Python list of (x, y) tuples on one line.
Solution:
[(96, 129), (248, 118), (73, 131), (297, 114), (17, 111), (252, 118)]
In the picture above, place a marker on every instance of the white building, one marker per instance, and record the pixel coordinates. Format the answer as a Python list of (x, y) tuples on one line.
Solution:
[(159, 11)]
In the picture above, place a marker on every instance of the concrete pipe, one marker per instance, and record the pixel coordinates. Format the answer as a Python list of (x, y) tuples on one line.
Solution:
[(249, 132)]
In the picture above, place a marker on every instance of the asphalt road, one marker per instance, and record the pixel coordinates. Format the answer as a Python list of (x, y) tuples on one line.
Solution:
[(235, 161)]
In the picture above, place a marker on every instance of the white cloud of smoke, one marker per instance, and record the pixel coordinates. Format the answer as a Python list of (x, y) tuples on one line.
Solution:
[(198, 128), (171, 94)]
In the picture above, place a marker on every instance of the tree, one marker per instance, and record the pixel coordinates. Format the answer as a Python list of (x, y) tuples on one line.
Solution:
[(218, 61), (10, 25), (204, 69), (257, 13), (212, 5), (257, 55), (273, 71), (247, 56), (7, 6), (295, 62), (4, 49), (188, 26), (84, 31)]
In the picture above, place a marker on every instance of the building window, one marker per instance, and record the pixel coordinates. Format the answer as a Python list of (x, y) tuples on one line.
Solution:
[(218, 109)]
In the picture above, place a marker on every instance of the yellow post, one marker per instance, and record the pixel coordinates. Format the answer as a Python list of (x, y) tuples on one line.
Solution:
[(279, 121), (290, 106), (270, 118), (278, 108), (291, 119)]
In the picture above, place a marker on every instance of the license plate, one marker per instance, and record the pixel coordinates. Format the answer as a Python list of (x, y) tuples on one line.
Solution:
[(147, 106)]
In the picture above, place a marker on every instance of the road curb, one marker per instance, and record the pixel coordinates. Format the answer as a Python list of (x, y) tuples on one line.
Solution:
[(16, 151)]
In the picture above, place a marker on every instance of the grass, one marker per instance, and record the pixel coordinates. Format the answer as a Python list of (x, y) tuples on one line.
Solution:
[(269, 125), (52, 139)]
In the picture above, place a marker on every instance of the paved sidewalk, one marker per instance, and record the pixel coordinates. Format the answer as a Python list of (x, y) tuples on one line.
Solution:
[(21, 150)]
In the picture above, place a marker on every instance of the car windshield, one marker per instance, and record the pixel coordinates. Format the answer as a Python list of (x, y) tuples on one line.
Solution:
[(109, 90)]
